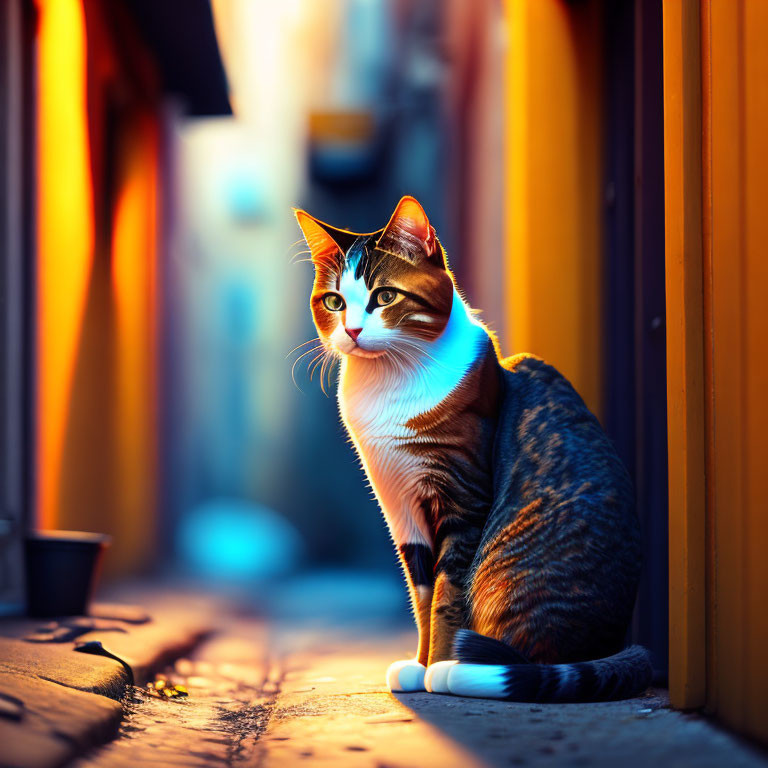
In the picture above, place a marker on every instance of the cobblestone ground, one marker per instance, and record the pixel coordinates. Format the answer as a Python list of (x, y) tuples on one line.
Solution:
[(291, 696)]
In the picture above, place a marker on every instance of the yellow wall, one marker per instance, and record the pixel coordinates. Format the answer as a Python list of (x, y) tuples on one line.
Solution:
[(716, 120), (64, 233), (134, 261), (553, 189), (737, 153), (716, 198), (95, 364)]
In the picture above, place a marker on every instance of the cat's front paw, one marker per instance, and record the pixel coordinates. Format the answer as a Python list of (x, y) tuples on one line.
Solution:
[(436, 677), (406, 676)]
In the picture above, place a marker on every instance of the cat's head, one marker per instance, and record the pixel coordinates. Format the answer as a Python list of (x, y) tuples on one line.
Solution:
[(385, 291)]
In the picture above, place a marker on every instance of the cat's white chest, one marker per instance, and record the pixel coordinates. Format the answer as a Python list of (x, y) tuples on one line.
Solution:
[(378, 401), (378, 409), (376, 418)]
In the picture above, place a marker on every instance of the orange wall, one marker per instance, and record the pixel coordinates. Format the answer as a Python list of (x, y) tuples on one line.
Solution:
[(734, 32), (685, 353), (134, 259), (553, 202), (96, 457), (65, 232), (716, 120)]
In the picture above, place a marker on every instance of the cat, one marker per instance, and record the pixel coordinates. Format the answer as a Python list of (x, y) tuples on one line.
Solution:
[(512, 514)]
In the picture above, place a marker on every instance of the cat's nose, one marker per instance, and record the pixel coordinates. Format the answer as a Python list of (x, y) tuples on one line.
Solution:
[(353, 333)]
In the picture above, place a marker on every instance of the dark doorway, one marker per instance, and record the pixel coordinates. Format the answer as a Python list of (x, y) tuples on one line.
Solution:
[(635, 414)]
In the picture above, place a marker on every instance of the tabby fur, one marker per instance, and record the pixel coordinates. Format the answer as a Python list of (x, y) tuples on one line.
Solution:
[(510, 510)]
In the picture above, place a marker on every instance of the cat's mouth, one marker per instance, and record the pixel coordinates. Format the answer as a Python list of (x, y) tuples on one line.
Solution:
[(358, 351), (349, 347), (343, 343)]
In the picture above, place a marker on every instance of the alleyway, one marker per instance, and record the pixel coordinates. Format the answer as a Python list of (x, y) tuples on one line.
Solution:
[(283, 694)]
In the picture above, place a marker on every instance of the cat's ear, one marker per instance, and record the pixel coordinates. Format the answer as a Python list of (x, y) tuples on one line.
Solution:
[(322, 246), (410, 235)]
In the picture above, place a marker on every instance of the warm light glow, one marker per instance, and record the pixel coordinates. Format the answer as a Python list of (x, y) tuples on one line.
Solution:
[(134, 250), (65, 231), (553, 200)]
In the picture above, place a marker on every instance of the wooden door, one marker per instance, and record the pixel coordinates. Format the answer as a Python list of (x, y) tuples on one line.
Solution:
[(716, 186)]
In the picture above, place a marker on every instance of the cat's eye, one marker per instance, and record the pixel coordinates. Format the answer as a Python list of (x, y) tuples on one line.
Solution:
[(333, 302), (385, 296)]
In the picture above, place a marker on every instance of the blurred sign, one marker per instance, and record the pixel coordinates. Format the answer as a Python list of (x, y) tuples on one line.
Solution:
[(343, 145)]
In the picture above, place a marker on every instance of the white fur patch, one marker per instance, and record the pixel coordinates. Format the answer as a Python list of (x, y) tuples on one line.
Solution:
[(377, 398), (406, 676), (483, 681), (436, 678)]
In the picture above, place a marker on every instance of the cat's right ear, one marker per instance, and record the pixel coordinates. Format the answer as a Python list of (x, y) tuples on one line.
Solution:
[(324, 249)]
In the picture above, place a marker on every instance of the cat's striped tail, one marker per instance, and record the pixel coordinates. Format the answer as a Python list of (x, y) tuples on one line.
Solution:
[(491, 669)]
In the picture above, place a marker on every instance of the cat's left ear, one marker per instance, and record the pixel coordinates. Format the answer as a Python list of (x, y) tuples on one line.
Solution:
[(324, 249), (410, 235)]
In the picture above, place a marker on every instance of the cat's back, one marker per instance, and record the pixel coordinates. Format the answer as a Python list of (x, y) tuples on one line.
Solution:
[(554, 434), (563, 509), (551, 449)]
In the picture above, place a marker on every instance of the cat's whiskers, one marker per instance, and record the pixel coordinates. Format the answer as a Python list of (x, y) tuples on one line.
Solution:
[(290, 247), (423, 351), (303, 344), (296, 361), (402, 317), (404, 362), (301, 241), (407, 363), (325, 360), (408, 316), (334, 360), (294, 258), (313, 364), (317, 362), (415, 360), (416, 357), (322, 375), (307, 352)]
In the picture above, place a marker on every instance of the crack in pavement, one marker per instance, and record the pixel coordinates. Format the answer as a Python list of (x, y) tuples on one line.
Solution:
[(233, 687)]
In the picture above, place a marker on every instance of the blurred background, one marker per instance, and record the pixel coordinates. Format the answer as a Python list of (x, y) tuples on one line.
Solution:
[(158, 284), (171, 287), (154, 291)]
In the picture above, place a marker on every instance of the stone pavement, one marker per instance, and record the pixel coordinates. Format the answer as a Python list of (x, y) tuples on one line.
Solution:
[(288, 693), (55, 704), (280, 697), (232, 684), (333, 710)]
